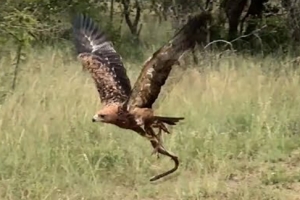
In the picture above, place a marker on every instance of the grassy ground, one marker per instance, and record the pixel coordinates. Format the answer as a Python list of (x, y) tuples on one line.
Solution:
[(240, 139)]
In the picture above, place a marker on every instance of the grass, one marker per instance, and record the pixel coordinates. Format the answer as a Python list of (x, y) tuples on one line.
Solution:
[(240, 139)]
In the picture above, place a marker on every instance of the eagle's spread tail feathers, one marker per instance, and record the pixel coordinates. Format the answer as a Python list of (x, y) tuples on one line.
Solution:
[(160, 123), (168, 120)]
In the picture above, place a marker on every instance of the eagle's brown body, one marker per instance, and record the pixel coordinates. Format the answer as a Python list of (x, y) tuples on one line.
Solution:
[(123, 106)]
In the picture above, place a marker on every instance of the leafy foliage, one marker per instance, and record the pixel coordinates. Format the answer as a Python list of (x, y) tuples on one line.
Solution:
[(40, 22), (137, 26)]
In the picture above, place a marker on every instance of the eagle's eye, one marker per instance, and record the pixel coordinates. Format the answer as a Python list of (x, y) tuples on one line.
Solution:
[(101, 116)]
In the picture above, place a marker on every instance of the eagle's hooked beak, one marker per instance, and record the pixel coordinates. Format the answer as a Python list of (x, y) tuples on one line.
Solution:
[(96, 118)]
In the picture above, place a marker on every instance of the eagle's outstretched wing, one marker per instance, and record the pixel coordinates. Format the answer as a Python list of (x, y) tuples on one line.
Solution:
[(99, 57), (158, 67)]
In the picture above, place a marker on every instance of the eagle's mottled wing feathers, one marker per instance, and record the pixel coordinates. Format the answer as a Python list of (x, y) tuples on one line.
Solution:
[(99, 57), (148, 85), (158, 67)]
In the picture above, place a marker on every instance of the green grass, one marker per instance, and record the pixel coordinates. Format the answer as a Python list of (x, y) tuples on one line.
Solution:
[(240, 139)]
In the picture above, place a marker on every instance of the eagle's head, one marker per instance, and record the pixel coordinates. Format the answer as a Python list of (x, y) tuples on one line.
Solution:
[(109, 114)]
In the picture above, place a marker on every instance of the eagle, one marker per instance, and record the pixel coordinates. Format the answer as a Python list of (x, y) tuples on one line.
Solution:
[(131, 107)]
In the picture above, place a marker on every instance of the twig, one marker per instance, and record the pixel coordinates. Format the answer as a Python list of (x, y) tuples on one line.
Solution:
[(18, 58), (216, 41), (236, 39)]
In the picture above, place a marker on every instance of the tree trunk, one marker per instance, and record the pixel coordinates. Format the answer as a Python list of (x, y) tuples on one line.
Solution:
[(233, 10), (294, 20), (135, 27)]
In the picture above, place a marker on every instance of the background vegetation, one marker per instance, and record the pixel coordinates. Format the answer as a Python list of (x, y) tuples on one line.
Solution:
[(239, 94)]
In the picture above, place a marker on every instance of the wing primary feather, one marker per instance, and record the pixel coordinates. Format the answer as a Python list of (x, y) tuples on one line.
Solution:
[(88, 37)]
